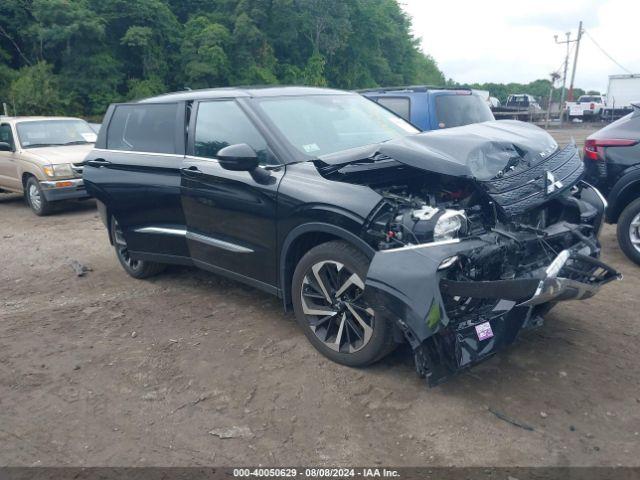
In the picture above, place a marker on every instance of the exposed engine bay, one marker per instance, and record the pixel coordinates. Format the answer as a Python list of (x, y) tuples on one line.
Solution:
[(476, 243)]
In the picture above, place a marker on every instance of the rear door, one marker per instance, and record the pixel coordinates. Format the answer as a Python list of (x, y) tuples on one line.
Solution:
[(135, 171), (230, 215), (9, 177)]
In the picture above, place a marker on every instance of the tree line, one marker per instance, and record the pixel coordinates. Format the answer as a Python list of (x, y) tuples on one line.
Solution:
[(76, 56)]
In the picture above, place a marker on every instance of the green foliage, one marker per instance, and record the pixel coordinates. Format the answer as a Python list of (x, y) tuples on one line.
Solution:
[(77, 56), (36, 91)]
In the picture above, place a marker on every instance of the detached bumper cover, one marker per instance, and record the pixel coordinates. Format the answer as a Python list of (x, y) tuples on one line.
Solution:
[(408, 285), (54, 190)]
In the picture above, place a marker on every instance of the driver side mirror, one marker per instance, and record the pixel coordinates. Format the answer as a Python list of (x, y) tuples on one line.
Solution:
[(5, 147), (240, 157)]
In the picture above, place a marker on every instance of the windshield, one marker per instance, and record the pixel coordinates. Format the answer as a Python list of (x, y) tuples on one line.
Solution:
[(47, 133), (324, 124), (458, 110)]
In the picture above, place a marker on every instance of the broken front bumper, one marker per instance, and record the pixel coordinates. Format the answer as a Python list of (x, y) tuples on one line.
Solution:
[(409, 286)]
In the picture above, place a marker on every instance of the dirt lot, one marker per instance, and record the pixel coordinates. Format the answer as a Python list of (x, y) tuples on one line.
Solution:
[(107, 370)]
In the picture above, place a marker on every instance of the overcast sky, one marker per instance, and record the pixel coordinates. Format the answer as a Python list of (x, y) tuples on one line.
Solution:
[(512, 41)]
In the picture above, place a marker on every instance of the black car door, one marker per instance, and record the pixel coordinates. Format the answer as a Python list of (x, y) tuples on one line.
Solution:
[(135, 171), (230, 215)]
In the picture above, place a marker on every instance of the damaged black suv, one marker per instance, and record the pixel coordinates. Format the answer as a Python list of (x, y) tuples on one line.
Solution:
[(375, 233)]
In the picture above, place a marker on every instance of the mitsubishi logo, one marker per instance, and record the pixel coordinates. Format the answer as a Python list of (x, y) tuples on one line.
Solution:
[(551, 184)]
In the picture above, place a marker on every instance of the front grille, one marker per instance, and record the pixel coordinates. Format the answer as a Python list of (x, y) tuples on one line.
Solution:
[(77, 168), (525, 189)]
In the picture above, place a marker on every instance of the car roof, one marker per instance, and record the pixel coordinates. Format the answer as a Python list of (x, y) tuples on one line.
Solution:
[(247, 92), (414, 89)]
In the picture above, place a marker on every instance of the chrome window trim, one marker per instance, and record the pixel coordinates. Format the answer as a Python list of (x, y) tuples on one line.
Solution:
[(136, 152)]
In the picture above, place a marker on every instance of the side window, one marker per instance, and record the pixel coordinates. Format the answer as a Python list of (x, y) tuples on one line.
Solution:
[(6, 135), (143, 128), (398, 105), (223, 123)]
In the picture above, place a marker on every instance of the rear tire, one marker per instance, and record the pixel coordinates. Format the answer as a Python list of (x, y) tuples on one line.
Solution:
[(136, 268), (629, 231), (327, 300), (35, 198)]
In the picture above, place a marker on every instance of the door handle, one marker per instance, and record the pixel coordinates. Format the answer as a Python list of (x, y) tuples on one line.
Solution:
[(191, 169), (98, 162)]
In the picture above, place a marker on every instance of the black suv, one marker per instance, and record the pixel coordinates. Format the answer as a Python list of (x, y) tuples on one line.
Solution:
[(612, 164), (374, 233)]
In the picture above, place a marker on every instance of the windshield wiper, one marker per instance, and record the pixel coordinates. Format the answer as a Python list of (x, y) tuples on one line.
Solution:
[(77, 142)]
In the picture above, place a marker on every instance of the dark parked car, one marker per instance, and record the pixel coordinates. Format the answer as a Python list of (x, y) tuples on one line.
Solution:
[(453, 240), (612, 163)]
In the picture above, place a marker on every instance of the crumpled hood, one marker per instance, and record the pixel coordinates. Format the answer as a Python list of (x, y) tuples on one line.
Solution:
[(481, 151), (62, 154)]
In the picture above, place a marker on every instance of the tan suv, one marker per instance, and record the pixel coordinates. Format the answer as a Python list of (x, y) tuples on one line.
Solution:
[(42, 158)]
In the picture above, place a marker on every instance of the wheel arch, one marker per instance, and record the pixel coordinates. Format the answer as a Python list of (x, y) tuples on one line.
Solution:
[(625, 191), (304, 237)]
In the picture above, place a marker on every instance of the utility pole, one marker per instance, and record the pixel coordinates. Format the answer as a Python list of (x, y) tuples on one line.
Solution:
[(566, 66), (575, 62), (554, 77)]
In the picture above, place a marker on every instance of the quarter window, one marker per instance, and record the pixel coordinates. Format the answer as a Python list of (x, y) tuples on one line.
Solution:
[(143, 128), (223, 123), (398, 105), (6, 135)]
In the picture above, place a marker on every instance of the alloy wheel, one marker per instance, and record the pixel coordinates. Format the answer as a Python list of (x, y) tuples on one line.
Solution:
[(121, 247), (634, 232), (332, 302), (34, 197)]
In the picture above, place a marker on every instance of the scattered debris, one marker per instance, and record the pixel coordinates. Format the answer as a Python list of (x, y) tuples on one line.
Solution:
[(543, 414), (151, 396), (134, 334), (80, 269), (512, 421), (201, 398), (173, 340), (232, 432), (572, 428), (77, 367), (562, 373)]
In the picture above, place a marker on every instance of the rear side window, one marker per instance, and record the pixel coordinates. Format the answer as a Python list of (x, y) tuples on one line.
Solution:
[(398, 105), (458, 110), (223, 123), (143, 128)]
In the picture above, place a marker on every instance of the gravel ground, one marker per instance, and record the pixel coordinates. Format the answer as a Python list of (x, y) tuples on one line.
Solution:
[(191, 369)]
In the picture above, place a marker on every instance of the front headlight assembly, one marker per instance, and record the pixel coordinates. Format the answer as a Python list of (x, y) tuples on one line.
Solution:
[(58, 171), (449, 225)]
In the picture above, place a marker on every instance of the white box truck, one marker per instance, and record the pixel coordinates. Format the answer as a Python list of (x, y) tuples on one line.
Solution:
[(623, 89)]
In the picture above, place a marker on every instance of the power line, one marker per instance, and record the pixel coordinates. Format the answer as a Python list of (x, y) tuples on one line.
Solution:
[(603, 51)]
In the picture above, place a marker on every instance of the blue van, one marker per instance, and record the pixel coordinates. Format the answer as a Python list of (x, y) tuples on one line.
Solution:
[(432, 108)]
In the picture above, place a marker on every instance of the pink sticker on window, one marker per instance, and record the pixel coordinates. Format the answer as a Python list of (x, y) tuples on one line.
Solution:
[(484, 331)]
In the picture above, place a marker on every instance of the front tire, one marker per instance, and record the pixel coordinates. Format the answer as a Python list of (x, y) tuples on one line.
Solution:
[(629, 231), (136, 268), (35, 198), (327, 293)]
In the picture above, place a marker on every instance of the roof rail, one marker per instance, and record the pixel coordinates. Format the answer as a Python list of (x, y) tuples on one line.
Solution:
[(410, 88)]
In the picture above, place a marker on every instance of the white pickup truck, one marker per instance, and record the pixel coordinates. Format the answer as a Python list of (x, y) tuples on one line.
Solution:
[(588, 107)]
